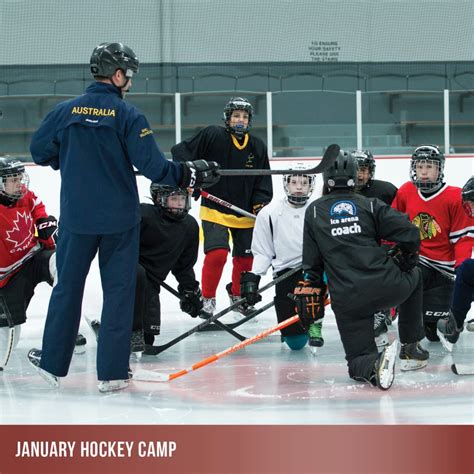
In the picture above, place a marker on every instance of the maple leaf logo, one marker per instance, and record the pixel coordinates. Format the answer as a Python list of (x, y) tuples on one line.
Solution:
[(22, 229)]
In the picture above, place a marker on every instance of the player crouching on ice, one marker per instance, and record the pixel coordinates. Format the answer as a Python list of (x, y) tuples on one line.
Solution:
[(26, 259), (342, 234)]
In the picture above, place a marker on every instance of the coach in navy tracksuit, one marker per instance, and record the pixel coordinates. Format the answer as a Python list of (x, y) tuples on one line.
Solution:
[(94, 140)]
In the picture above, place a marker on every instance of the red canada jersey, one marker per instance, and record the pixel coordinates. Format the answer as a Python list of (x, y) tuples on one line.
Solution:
[(446, 232), (18, 240)]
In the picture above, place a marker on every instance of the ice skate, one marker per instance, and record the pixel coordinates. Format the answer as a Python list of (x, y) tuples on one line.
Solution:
[(244, 308), (208, 309), (34, 357), (112, 385), (470, 325), (385, 366), (138, 342), (380, 329), (448, 332), (80, 345), (315, 338), (413, 356), (94, 324)]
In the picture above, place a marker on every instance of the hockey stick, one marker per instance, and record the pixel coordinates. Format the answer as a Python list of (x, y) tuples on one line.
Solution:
[(463, 369), (220, 201), (217, 323), (250, 316), (330, 155), (11, 334), (155, 350), (34, 250), (150, 376)]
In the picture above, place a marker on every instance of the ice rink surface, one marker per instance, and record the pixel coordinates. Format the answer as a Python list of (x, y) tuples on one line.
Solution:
[(265, 383)]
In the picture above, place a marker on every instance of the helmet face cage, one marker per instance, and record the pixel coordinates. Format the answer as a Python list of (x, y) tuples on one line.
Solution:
[(9, 170), (299, 198), (238, 103), (342, 174), (365, 159), (108, 57), (161, 194), (429, 156), (467, 196)]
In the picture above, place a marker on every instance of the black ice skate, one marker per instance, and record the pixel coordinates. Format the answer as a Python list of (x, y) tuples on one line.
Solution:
[(34, 356), (138, 341), (413, 356), (381, 329), (80, 345), (385, 366), (430, 331), (448, 332)]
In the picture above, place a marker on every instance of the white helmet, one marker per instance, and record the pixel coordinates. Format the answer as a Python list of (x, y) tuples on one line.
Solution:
[(298, 197)]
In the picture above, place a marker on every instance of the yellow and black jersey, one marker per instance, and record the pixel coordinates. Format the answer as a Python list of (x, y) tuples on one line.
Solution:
[(214, 143)]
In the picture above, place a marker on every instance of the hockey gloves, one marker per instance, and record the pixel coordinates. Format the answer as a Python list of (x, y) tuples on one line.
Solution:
[(249, 287), (47, 228), (406, 261), (191, 301), (199, 174), (309, 302)]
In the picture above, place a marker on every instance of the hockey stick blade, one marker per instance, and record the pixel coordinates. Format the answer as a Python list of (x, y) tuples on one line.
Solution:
[(330, 155), (143, 375), (463, 369)]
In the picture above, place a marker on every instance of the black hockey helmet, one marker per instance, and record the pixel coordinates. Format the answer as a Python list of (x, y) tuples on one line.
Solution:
[(160, 194), (108, 57), (237, 103), (467, 196), (342, 174), (365, 159), (12, 168), (431, 155)]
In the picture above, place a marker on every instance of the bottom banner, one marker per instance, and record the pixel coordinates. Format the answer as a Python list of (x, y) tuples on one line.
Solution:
[(235, 449)]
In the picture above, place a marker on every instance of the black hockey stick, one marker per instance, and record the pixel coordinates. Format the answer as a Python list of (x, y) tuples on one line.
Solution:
[(463, 369), (217, 323), (155, 350), (250, 316), (330, 155)]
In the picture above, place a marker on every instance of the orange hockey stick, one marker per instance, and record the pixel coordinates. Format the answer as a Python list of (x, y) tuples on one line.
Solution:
[(150, 376)]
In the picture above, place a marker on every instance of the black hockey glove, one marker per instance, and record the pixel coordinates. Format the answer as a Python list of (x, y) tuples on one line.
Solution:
[(309, 302), (200, 174), (249, 287), (190, 301), (406, 261), (47, 228)]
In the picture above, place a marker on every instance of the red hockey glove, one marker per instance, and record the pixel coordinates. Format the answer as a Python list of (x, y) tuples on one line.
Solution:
[(309, 302)]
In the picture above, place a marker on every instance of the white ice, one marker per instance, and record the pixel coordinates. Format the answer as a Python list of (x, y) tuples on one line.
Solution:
[(265, 383)]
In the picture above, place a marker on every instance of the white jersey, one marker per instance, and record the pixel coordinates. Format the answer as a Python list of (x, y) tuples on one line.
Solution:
[(277, 239)]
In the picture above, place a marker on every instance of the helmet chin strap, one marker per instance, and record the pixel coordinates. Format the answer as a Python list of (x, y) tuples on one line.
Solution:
[(122, 87)]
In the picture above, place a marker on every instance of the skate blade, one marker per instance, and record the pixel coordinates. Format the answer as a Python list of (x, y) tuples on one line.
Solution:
[(112, 385), (387, 373), (313, 350), (446, 344), (50, 379), (78, 350), (407, 365), (382, 340)]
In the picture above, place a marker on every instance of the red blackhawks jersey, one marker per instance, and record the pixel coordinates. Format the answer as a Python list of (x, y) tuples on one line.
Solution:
[(18, 241), (446, 232)]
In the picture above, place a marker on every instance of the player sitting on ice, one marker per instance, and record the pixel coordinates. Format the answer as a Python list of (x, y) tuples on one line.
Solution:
[(27, 252), (277, 241)]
